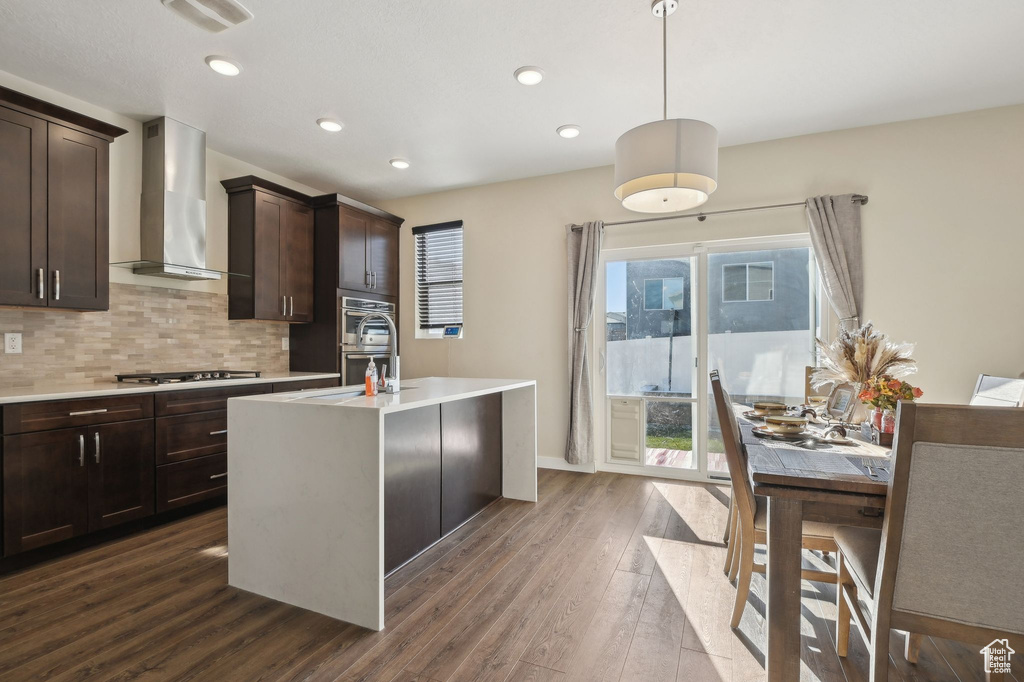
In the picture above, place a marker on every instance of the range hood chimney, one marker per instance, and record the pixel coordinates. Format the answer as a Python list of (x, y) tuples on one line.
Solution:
[(173, 202)]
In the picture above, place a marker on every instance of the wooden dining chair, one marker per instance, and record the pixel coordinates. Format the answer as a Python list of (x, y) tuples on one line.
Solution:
[(948, 559), (749, 523)]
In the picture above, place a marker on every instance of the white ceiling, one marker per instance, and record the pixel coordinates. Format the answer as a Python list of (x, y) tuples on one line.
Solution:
[(431, 80)]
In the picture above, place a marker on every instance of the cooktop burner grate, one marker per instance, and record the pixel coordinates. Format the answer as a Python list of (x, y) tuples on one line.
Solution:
[(182, 377)]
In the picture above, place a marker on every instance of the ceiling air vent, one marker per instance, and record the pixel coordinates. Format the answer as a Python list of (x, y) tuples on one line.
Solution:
[(210, 15)]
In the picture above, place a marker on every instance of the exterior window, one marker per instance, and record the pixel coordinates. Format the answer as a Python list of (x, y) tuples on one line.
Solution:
[(438, 275), (663, 294), (748, 282)]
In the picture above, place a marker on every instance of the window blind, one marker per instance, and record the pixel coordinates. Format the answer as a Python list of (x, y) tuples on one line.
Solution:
[(439, 274)]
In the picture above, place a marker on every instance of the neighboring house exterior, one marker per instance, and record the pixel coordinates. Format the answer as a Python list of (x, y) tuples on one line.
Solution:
[(615, 326), (749, 292)]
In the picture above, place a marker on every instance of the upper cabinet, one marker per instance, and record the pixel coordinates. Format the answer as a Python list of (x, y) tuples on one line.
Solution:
[(367, 243), (270, 240), (54, 201)]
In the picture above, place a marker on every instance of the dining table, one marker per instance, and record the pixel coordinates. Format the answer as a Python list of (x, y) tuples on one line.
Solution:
[(807, 479)]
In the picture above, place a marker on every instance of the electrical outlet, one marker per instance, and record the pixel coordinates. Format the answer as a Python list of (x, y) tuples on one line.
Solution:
[(284, 343), (12, 343)]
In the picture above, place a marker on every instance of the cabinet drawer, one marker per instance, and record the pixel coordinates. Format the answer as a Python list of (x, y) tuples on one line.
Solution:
[(187, 436), (305, 385), (195, 480), (203, 399), (59, 414)]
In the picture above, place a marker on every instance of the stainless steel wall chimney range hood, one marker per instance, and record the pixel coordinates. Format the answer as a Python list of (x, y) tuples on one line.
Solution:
[(173, 215)]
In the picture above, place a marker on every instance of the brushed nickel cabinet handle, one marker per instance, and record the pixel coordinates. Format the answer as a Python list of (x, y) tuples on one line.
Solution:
[(81, 450), (96, 439), (85, 412), (218, 475), (291, 306), (284, 306), (56, 285), (41, 283), (218, 433)]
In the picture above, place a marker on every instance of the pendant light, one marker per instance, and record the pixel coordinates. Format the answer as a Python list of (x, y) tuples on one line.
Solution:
[(667, 165)]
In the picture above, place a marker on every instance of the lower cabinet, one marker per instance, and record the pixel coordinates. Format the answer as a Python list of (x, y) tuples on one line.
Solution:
[(442, 465), (64, 483), (412, 483), (191, 481)]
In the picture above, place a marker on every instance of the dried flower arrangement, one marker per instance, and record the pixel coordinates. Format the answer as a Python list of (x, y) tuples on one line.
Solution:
[(862, 355), (885, 392)]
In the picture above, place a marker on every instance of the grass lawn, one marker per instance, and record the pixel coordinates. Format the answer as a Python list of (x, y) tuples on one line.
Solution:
[(681, 441)]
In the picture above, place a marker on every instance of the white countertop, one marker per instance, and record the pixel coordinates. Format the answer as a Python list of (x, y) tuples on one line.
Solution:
[(414, 393), (64, 391)]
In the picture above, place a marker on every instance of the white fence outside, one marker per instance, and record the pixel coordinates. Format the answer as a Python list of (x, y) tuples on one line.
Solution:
[(759, 364)]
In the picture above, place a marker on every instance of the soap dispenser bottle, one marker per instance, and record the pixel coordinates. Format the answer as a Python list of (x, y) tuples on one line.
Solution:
[(371, 379)]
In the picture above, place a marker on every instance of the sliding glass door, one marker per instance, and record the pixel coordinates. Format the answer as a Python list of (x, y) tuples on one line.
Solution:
[(669, 316)]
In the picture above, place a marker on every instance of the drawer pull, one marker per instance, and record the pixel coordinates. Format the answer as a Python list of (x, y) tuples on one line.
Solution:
[(218, 433), (218, 475), (82, 413)]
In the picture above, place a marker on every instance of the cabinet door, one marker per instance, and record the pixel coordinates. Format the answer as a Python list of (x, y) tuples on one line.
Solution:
[(353, 270), (23, 207), (382, 257), (120, 462), (45, 488), (297, 250), (470, 458), (77, 220), (268, 266), (412, 483)]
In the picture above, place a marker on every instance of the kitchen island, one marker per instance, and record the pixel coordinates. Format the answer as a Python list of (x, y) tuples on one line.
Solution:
[(331, 489)]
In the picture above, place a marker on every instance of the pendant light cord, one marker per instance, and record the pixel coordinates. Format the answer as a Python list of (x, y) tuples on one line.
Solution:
[(664, 60)]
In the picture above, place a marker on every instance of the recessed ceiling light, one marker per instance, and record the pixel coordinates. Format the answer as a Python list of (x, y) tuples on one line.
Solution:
[(569, 131), (529, 75), (399, 163), (329, 124), (223, 65)]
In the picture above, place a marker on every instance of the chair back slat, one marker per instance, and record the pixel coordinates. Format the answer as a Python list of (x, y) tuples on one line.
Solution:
[(954, 532), (735, 455)]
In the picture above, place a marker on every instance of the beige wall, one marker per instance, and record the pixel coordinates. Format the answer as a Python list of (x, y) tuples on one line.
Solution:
[(126, 188), (943, 242)]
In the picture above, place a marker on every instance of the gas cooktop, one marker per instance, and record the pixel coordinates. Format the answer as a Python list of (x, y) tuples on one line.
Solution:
[(182, 377)]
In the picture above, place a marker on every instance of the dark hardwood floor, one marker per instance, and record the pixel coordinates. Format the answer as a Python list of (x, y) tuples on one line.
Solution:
[(607, 577)]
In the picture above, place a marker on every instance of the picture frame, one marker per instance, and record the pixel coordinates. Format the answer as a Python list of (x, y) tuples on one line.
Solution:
[(843, 401)]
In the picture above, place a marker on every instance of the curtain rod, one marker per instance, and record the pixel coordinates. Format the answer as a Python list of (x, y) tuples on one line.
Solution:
[(858, 198)]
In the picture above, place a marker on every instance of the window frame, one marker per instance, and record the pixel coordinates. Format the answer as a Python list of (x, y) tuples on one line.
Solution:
[(437, 332), (746, 273), (662, 280)]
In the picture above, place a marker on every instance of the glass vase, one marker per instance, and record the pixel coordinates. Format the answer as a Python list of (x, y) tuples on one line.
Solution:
[(876, 418), (888, 421)]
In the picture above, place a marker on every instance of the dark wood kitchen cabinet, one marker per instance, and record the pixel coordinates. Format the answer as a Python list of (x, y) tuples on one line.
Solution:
[(412, 483), (65, 483), (120, 473), (442, 465), (470, 458), (54, 197), (46, 489), (270, 242), (366, 240)]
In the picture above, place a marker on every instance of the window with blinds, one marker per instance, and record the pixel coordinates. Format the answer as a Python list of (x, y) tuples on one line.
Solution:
[(439, 274)]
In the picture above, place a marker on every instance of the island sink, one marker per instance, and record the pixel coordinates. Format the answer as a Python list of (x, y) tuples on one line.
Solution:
[(333, 490)]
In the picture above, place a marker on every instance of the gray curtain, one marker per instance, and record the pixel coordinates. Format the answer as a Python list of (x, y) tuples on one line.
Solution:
[(835, 234), (584, 247)]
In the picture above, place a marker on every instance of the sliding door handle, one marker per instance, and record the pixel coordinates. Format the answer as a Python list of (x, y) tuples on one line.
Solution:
[(41, 283)]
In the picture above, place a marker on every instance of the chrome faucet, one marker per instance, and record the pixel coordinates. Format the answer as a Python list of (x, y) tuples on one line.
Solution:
[(392, 381)]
